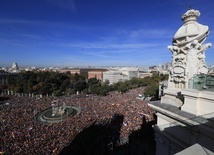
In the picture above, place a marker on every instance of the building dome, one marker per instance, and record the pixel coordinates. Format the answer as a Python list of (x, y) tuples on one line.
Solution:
[(191, 29), (15, 66)]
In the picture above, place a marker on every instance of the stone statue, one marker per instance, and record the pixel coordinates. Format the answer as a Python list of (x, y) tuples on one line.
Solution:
[(53, 109)]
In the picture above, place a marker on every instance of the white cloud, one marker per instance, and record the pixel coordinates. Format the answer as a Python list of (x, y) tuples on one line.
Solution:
[(111, 46), (97, 54), (150, 33)]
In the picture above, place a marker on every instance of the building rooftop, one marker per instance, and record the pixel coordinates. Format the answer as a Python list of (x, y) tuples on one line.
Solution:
[(195, 149), (187, 118)]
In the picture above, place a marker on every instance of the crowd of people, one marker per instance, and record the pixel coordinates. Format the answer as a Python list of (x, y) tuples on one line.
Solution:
[(20, 133)]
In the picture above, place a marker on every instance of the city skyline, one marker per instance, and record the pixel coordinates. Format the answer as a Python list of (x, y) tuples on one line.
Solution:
[(94, 33)]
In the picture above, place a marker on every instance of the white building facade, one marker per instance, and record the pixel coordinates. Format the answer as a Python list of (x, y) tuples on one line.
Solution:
[(115, 75), (185, 115)]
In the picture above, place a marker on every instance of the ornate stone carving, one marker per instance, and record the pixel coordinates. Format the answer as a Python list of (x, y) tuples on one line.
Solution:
[(188, 50), (190, 14)]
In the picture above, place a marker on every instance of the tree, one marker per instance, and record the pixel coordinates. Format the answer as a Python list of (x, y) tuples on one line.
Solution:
[(95, 89), (164, 77), (93, 81), (80, 85), (120, 87), (65, 84), (57, 93), (151, 90), (70, 91), (104, 90), (57, 83)]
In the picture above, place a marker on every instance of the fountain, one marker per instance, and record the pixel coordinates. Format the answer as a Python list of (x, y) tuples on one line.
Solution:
[(57, 113)]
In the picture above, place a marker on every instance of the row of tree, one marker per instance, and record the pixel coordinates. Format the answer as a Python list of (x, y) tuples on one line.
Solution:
[(55, 83)]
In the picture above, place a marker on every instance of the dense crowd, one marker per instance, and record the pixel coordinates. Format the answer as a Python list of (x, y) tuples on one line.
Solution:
[(20, 133)]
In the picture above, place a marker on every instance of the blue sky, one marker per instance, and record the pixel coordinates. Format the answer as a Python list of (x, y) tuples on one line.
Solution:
[(74, 33)]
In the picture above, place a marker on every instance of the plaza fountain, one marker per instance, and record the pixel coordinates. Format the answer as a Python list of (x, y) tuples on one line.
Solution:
[(57, 113)]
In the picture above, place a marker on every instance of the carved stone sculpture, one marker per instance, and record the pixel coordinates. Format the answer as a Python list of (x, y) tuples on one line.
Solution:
[(188, 50)]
